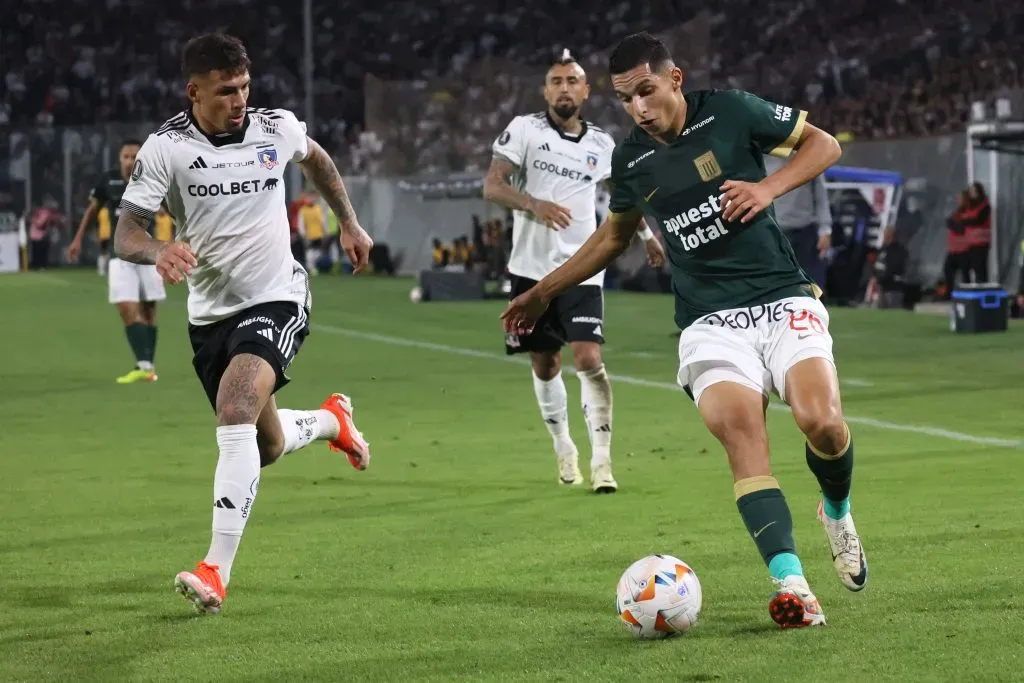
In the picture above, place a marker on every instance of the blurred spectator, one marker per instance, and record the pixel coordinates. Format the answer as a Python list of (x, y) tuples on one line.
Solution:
[(887, 286), (977, 218), (957, 248), (442, 256), (44, 223), (804, 215)]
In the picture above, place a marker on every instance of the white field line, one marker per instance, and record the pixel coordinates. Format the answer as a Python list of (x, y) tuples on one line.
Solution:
[(667, 386)]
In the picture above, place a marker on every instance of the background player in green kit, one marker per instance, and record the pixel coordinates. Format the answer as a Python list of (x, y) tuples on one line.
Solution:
[(751, 320), (134, 289)]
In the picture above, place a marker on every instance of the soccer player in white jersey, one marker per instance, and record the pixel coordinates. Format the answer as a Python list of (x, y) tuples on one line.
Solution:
[(220, 166), (555, 160)]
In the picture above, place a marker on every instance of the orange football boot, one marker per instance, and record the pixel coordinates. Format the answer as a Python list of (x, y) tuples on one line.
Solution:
[(350, 441), (202, 587)]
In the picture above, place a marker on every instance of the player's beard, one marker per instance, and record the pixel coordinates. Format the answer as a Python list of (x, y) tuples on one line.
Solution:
[(565, 110)]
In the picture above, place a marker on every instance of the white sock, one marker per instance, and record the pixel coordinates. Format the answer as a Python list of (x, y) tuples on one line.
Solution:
[(302, 427), (101, 264), (234, 489), (596, 394), (145, 365), (312, 256), (553, 401)]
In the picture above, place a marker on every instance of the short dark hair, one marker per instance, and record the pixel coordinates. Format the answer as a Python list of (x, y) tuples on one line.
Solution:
[(636, 49), (214, 52), (134, 142)]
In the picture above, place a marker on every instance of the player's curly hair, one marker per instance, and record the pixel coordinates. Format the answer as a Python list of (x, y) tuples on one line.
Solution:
[(636, 49), (214, 52)]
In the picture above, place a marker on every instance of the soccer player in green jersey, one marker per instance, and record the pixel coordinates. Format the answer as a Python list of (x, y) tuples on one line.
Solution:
[(751, 321)]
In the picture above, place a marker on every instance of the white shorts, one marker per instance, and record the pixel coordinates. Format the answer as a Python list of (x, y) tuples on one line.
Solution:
[(131, 282), (754, 346)]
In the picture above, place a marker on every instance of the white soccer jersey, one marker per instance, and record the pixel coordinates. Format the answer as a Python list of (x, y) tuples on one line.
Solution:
[(558, 168), (226, 193)]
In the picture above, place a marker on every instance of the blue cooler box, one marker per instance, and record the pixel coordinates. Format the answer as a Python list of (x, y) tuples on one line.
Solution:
[(980, 307)]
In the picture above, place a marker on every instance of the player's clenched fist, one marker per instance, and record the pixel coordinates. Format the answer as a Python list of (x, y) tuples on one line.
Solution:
[(175, 262), (550, 214), (357, 245), (523, 312)]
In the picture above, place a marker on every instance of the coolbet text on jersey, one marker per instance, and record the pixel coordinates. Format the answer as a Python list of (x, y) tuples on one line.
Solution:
[(559, 168), (226, 194)]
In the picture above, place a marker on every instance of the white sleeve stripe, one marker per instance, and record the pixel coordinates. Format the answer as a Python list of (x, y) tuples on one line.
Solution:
[(136, 209), (175, 122), (506, 157)]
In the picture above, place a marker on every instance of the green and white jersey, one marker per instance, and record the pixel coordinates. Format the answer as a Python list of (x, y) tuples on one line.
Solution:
[(716, 265)]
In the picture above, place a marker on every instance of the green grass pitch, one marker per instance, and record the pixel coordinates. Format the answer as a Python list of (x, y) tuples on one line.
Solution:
[(456, 556)]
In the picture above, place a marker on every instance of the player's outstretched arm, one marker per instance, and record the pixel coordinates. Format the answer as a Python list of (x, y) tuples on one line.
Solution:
[(75, 248), (499, 190), (132, 242), (597, 253), (319, 168)]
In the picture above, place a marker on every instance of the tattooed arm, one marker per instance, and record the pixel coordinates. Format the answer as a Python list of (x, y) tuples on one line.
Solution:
[(499, 190), (321, 171), (319, 168), (132, 241)]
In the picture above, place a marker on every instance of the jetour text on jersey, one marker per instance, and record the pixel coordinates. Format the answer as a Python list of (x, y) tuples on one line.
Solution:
[(232, 188), (702, 234)]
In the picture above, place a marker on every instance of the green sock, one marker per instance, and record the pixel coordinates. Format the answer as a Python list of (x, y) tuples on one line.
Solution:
[(835, 476), (150, 350), (138, 337), (766, 516)]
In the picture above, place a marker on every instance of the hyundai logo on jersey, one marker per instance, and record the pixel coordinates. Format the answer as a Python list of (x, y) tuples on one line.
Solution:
[(267, 157)]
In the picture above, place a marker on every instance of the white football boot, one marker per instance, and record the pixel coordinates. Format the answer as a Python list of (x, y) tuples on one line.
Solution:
[(847, 552), (601, 479), (568, 462)]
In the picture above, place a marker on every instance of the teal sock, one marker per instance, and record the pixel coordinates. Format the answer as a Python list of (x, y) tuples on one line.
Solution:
[(837, 509), (785, 564)]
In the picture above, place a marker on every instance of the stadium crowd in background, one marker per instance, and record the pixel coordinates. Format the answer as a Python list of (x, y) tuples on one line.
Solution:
[(390, 101), (914, 72)]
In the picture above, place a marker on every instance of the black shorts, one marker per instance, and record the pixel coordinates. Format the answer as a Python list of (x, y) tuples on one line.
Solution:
[(104, 246), (273, 331), (575, 316)]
